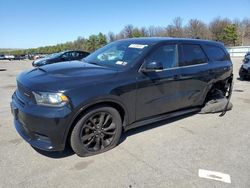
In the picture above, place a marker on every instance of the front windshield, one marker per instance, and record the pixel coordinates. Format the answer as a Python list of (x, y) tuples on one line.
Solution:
[(54, 55), (120, 54)]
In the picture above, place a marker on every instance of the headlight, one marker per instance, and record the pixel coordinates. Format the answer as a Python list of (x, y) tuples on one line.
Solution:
[(50, 99)]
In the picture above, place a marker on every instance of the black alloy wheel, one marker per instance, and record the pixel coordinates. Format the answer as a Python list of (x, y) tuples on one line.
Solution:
[(97, 131)]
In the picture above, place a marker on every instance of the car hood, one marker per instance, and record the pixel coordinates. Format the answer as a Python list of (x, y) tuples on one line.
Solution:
[(64, 76), (41, 60)]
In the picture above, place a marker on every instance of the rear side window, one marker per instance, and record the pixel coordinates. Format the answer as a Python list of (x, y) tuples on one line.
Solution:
[(191, 54), (84, 54), (215, 53)]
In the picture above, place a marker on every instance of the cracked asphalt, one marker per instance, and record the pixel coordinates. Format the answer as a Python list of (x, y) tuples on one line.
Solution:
[(163, 154)]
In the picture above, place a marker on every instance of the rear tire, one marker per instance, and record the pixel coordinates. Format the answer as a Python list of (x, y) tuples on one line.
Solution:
[(216, 106), (216, 103), (97, 131)]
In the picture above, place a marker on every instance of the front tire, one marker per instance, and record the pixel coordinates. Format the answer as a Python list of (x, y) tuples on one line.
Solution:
[(97, 131)]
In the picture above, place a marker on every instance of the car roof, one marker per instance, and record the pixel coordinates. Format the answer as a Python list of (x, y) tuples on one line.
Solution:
[(153, 40), (73, 51)]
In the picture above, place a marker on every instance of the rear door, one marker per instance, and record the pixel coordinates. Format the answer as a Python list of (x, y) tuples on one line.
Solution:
[(194, 74), (220, 63)]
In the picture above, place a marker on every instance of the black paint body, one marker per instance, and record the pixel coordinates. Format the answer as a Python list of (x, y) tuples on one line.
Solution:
[(140, 96), (60, 58)]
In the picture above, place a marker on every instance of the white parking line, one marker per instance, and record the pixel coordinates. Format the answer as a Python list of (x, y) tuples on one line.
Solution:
[(214, 175)]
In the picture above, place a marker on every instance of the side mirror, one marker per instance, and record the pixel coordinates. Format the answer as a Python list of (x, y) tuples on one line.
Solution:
[(152, 67), (61, 59)]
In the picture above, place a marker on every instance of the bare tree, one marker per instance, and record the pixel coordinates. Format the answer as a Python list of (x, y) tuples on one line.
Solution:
[(127, 32), (175, 29), (197, 29), (151, 31), (144, 31), (217, 26), (240, 30), (156, 31), (111, 37), (246, 31)]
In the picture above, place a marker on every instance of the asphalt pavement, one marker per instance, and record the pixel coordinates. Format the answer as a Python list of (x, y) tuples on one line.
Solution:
[(173, 153)]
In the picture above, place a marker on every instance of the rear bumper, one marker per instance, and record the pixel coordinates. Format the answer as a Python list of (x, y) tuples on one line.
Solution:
[(42, 127)]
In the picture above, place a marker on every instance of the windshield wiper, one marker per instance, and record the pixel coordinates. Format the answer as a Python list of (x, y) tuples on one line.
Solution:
[(94, 63), (90, 62), (39, 68)]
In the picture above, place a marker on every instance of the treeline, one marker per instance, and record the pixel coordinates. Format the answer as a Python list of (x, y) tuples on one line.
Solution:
[(230, 32), (91, 44)]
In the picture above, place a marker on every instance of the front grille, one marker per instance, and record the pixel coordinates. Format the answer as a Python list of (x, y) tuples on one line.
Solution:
[(24, 93), (19, 100)]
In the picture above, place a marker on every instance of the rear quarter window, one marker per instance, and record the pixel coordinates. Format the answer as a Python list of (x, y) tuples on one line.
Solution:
[(191, 54), (215, 53)]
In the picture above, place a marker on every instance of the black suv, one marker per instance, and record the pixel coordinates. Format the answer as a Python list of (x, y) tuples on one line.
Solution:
[(60, 57), (244, 71), (125, 84)]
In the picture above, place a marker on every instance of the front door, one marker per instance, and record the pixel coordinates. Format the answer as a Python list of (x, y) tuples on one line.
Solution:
[(158, 92)]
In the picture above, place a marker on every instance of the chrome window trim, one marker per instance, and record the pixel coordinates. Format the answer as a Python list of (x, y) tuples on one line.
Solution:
[(184, 67)]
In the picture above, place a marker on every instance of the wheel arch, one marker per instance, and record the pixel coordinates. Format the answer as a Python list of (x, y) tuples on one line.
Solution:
[(219, 84), (108, 102)]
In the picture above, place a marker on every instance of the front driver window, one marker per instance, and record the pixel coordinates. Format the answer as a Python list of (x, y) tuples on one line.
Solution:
[(75, 55), (166, 55), (66, 56)]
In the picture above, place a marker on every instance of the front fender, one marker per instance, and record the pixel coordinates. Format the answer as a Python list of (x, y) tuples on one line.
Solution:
[(92, 102)]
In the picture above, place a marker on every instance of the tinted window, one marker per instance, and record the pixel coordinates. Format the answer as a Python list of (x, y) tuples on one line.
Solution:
[(82, 55), (66, 56), (165, 54), (75, 55), (215, 53), (191, 54)]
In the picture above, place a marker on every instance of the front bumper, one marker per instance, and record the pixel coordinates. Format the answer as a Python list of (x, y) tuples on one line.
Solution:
[(42, 127)]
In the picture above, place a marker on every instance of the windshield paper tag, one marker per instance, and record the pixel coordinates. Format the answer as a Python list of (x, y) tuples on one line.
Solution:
[(138, 46), (121, 63)]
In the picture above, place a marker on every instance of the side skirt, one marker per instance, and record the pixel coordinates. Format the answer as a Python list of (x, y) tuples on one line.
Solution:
[(161, 117)]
